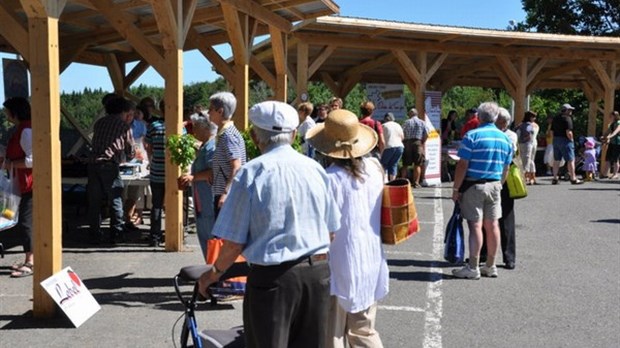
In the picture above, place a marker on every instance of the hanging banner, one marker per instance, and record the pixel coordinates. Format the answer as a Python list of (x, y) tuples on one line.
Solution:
[(387, 98), (15, 77), (71, 295), (432, 106)]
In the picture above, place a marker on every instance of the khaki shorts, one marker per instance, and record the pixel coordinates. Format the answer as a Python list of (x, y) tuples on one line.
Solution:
[(482, 200)]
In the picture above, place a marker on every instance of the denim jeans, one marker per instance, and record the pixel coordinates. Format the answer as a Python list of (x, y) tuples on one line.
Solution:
[(390, 158), (104, 182)]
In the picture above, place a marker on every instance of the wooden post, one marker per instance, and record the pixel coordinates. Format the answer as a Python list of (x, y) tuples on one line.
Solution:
[(302, 70), (173, 96), (47, 204), (278, 44)]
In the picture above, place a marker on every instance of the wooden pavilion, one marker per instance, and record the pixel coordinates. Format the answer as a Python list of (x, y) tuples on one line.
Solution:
[(344, 51), (52, 34)]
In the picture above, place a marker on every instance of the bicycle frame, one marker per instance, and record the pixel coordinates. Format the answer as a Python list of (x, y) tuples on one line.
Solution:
[(189, 325)]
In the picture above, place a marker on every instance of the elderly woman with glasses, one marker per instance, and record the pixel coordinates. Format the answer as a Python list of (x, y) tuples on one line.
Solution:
[(201, 178)]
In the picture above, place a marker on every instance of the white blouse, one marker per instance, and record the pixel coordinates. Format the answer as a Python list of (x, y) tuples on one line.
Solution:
[(359, 271)]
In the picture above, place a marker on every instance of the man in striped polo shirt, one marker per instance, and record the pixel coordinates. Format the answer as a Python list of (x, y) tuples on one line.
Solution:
[(155, 144), (485, 154)]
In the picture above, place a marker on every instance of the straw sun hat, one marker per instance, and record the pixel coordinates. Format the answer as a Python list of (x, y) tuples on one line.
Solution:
[(342, 136)]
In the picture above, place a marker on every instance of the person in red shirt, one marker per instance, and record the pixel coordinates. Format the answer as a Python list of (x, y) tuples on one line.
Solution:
[(471, 121), (367, 109), (19, 155)]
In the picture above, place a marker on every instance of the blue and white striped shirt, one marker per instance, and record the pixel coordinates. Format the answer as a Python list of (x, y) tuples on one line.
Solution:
[(280, 207), (156, 138), (488, 150), (230, 146)]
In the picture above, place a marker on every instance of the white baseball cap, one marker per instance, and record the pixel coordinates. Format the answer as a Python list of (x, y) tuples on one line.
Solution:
[(274, 116), (567, 107)]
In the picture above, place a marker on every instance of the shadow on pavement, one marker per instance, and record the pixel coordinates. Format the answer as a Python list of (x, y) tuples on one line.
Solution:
[(607, 221), (419, 263), (27, 321)]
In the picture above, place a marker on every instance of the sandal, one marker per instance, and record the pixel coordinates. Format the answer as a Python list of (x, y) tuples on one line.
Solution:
[(554, 182), (17, 265), (576, 182), (24, 271)]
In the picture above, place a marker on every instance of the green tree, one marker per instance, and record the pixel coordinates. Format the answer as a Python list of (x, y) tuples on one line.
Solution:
[(577, 17)]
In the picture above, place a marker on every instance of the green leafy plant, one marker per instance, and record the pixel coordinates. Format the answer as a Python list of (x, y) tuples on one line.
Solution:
[(182, 150)]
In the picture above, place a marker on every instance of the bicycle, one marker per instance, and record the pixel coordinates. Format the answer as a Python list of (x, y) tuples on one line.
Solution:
[(232, 338)]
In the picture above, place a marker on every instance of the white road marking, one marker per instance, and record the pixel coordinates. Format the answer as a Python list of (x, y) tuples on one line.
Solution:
[(402, 308), (412, 253), (434, 304)]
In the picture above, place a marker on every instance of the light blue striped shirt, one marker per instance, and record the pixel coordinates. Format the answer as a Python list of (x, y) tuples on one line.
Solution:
[(279, 207), (488, 150)]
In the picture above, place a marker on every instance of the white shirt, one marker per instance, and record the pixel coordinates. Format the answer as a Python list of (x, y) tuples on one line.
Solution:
[(302, 129), (359, 271), (393, 134)]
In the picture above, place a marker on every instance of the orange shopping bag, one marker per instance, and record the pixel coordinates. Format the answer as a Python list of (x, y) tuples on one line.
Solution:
[(231, 286)]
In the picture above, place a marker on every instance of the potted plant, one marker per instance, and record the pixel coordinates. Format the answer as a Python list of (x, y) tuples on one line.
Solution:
[(182, 152)]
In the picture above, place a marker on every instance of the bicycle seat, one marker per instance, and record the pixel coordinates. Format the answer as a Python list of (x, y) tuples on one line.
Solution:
[(193, 273)]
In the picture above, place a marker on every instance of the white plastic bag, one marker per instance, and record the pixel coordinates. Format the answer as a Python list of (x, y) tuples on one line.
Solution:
[(9, 199)]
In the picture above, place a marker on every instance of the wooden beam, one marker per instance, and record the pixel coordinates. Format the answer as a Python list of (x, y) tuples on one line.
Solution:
[(278, 44), (189, 10), (302, 70), (236, 33), (330, 83), (373, 63), (167, 14), (128, 30), (536, 69), (468, 49), (47, 201), (406, 78), (435, 66), (320, 59), (135, 73), (257, 11), (69, 55), (263, 72), (506, 81), (509, 69), (408, 67), (13, 31), (212, 56), (603, 76), (116, 72), (521, 91), (348, 85)]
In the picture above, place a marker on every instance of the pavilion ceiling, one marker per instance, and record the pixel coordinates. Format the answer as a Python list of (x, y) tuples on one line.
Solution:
[(368, 50), (88, 36)]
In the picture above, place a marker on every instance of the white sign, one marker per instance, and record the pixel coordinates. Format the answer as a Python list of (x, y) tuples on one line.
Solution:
[(432, 107), (387, 98), (71, 295)]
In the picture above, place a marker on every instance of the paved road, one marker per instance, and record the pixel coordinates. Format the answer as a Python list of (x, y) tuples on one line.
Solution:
[(565, 291)]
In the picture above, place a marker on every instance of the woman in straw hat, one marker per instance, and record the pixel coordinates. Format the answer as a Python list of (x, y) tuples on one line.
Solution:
[(359, 272)]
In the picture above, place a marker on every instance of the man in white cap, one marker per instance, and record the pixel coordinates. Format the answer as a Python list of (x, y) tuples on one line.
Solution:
[(279, 215), (563, 144)]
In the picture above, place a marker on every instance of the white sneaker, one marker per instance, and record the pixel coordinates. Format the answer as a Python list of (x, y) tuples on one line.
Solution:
[(466, 273), (487, 271)]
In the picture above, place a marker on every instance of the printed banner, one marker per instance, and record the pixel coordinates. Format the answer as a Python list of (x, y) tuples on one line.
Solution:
[(71, 295), (432, 106), (15, 78), (387, 98)]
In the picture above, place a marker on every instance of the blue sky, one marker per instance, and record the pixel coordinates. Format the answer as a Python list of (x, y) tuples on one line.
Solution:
[(492, 14)]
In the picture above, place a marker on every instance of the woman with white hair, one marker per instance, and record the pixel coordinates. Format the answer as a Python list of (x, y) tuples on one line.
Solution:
[(201, 178), (230, 152)]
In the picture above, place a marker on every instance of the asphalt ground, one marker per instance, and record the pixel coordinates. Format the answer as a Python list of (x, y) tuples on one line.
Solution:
[(564, 292)]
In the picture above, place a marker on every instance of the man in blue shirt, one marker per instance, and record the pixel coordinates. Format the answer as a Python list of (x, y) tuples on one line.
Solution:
[(485, 154), (279, 215)]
